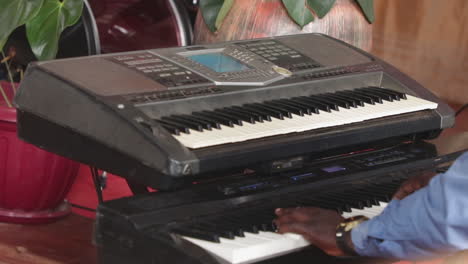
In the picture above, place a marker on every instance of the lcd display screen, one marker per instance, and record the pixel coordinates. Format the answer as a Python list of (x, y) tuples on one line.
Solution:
[(219, 62)]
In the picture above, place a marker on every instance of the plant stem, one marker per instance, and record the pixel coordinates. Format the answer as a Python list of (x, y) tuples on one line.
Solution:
[(5, 97), (10, 75)]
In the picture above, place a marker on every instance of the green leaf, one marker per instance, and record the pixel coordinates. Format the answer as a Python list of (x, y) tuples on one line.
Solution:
[(367, 7), (44, 29), (298, 11), (321, 7), (210, 10), (223, 12), (15, 13)]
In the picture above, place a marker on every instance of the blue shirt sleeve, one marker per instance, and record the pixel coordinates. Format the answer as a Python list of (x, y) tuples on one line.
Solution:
[(431, 222)]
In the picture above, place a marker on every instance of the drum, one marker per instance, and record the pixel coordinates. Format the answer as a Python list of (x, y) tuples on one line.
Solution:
[(126, 25)]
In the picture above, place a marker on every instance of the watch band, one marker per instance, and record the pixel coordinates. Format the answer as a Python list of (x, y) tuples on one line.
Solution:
[(343, 231)]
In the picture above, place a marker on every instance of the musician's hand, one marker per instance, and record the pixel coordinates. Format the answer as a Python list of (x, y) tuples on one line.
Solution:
[(413, 184), (316, 225)]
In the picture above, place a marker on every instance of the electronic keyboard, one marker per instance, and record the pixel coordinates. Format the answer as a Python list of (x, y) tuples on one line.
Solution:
[(229, 218), (169, 116)]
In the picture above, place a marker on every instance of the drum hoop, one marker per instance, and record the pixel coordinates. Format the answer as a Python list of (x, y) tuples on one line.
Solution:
[(91, 29), (182, 21)]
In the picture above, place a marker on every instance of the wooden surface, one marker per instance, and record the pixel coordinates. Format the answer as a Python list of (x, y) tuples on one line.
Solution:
[(427, 39), (65, 241)]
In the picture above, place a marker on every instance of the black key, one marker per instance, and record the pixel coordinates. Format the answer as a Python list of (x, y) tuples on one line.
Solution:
[(259, 107), (322, 203), (351, 102), (394, 96), (234, 119), (339, 101), (364, 199), (329, 102), (384, 189), (183, 122), (361, 97), (292, 109), (379, 196), (396, 93), (383, 95), (215, 118), (235, 229), (264, 221), (205, 124), (238, 110), (221, 232), (312, 103), (340, 203), (265, 116), (345, 200), (177, 126), (242, 224), (174, 130), (356, 99), (240, 116), (196, 233), (213, 123), (280, 109), (307, 108), (370, 197), (375, 97)]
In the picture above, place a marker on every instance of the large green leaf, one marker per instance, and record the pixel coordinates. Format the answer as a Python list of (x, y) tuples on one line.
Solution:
[(321, 7), (299, 12), (210, 10), (367, 7), (44, 29), (14, 13), (223, 12)]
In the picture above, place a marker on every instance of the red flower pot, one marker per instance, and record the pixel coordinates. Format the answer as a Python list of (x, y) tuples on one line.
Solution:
[(33, 182)]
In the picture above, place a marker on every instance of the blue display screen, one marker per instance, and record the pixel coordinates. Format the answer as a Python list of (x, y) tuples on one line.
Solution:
[(219, 62)]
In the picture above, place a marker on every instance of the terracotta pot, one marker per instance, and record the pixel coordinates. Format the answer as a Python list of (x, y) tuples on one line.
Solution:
[(33, 182), (265, 18)]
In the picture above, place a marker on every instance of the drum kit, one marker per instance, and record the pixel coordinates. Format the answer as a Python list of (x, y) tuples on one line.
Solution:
[(109, 26)]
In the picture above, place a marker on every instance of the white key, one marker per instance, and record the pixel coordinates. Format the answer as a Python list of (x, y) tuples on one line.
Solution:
[(298, 123), (264, 245)]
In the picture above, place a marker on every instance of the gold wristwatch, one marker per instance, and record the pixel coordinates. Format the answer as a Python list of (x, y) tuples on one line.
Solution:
[(343, 231)]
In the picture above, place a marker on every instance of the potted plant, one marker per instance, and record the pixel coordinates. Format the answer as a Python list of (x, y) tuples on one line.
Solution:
[(223, 20), (33, 183)]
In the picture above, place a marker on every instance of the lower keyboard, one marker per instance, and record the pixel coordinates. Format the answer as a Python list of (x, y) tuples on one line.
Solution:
[(255, 247)]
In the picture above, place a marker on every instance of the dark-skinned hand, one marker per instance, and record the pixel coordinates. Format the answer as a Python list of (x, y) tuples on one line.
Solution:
[(316, 225), (413, 184)]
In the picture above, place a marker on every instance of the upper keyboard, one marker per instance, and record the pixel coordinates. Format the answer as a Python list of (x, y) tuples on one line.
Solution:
[(158, 116)]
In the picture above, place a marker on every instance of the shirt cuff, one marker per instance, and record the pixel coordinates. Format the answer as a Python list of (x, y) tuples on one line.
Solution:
[(365, 245)]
